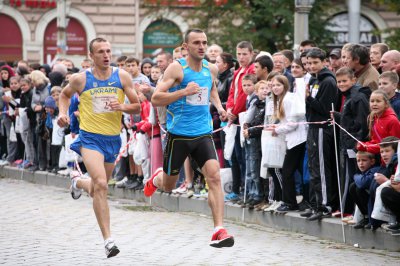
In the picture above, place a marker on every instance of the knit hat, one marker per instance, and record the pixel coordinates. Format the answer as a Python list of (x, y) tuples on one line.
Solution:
[(50, 103)]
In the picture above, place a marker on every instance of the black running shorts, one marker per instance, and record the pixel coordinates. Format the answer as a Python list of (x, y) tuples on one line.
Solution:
[(200, 148)]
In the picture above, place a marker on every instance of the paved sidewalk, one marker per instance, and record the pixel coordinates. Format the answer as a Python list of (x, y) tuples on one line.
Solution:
[(42, 225)]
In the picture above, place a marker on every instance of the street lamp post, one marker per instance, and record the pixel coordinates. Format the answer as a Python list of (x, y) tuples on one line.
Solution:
[(62, 23), (302, 9)]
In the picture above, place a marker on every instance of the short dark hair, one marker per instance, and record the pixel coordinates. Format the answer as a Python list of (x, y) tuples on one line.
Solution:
[(360, 52), (122, 58), (190, 31), (266, 62), (297, 61), (251, 77), (393, 142), (308, 43), (99, 39), (288, 54), (131, 60), (245, 44), (304, 53), (228, 59), (316, 52)]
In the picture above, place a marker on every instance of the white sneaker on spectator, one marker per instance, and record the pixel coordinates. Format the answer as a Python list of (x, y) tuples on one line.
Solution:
[(4, 163), (181, 189), (66, 171), (121, 183), (275, 205)]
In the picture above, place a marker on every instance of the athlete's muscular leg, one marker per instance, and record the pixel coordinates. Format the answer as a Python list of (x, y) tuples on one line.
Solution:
[(166, 182), (97, 187), (215, 194)]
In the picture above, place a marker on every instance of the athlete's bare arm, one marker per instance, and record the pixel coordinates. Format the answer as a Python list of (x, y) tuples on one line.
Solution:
[(173, 75), (134, 106), (76, 84), (214, 97)]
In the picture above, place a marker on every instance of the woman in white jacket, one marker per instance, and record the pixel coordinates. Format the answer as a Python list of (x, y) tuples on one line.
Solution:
[(289, 109)]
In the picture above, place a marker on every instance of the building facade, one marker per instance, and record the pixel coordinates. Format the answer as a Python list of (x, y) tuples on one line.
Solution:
[(134, 27)]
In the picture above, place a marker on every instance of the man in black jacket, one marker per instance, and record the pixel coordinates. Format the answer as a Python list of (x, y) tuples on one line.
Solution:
[(319, 98)]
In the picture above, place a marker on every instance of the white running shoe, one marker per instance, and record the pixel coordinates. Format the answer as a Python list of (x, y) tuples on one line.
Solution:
[(275, 205), (181, 189), (110, 248), (75, 192)]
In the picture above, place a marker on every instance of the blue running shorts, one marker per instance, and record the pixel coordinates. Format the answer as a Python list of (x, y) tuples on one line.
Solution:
[(107, 145)]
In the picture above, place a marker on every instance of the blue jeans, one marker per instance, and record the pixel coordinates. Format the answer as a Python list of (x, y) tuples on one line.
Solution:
[(238, 164), (253, 162)]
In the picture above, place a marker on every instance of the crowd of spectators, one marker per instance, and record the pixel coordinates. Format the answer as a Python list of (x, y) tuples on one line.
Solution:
[(278, 144)]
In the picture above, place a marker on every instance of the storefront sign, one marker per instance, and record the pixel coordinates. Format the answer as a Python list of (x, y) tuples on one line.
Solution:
[(339, 24)]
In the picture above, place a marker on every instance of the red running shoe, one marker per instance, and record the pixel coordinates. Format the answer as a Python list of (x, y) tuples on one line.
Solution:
[(149, 187), (221, 239)]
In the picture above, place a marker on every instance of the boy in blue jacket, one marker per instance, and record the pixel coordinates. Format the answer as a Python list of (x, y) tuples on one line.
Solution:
[(359, 190)]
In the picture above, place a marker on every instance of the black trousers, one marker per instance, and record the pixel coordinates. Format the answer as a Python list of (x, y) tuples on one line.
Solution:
[(321, 163), (391, 200), (360, 197), (293, 161), (276, 174)]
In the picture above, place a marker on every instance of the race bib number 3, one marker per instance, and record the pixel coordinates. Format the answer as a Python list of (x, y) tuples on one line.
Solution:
[(101, 103), (200, 98)]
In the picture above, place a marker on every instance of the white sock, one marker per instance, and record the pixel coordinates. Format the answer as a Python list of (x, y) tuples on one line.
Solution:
[(108, 240), (154, 181), (74, 183), (217, 228)]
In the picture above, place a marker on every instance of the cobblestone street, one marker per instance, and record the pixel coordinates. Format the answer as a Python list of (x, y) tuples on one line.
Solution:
[(42, 225)]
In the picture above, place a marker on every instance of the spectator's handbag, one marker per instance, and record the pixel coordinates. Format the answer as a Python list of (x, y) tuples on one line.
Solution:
[(273, 150), (141, 153), (13, 134), (230, 134), (24, 120), (380, 212)]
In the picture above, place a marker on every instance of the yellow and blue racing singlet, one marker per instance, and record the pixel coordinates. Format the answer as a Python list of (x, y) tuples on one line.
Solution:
[(94, 111)]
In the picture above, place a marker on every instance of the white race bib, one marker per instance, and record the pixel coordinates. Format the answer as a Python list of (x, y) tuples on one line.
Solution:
[(200, 98), (101, 103)]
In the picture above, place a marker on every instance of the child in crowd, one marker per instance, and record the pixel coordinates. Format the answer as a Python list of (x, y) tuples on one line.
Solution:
[(270, 190), (248, 82), (11, 98), (391, 198), (352, 114), (54, 133), (359, 189), (155, 74), (382, 122), (388, 83), (320, 143), (287, 109), (27, 133), (388, 152), (253, 145)]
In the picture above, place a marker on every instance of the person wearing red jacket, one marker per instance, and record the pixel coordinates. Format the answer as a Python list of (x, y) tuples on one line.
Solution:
[(383, 122), (145, 127), (236, 104)]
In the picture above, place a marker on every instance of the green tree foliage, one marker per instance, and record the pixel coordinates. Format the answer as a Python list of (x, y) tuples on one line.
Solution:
[(269, 25), (394, 33)]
